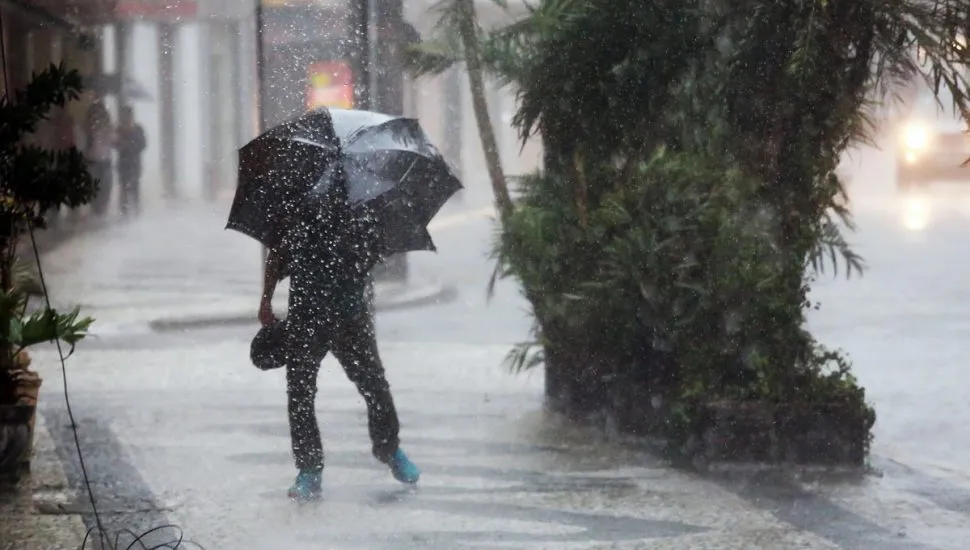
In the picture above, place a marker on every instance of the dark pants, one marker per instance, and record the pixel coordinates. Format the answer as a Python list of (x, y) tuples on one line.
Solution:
[(352, 341), (129, 197)]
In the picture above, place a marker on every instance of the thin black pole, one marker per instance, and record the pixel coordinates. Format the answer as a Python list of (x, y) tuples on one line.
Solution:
[(167, 41), (261, 91), (361, 30), (121, 62), (387, 75)]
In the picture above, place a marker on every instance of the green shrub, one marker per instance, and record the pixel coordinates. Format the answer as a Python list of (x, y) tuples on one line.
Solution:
[(33, 182), (681, 260)]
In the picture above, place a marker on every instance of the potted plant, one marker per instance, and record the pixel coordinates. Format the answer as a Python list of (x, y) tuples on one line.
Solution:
[(33, 182)]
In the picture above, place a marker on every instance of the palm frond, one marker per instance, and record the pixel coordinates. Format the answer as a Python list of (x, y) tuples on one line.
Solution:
[(830, 247), (433, 57)]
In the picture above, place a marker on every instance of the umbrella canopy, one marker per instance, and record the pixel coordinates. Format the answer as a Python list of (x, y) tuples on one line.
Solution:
[(393, 167), (367, 131), (348, 122), (277, 170), (394, 175), (113, 84)]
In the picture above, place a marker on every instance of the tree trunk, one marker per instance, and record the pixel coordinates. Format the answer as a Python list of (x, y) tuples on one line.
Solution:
[(469, 37)]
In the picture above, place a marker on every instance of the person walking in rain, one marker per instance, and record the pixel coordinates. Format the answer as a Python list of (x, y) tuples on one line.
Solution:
[(130, 143), (329, 253)]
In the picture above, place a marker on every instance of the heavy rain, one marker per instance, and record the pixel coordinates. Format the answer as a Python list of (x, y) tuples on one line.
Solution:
[(519, 274)]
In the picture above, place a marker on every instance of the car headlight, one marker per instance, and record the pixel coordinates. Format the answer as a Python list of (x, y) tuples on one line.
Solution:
[(916, 213), (916, 137)]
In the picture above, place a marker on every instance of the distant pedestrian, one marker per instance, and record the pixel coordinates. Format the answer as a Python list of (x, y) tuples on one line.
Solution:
[(130, 142), (99, 138), (329, 252)]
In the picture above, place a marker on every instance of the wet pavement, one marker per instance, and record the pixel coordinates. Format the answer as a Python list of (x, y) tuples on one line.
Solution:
[(207, 448), (180, 428), (178, 266)]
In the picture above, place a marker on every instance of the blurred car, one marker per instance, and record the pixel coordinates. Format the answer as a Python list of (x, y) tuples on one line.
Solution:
[(932, 144)]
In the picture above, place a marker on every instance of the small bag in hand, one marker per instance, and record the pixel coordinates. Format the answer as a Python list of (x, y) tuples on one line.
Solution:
[(267, 351)]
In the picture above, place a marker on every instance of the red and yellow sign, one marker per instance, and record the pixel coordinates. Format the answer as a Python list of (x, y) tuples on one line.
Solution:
[(331, 84), (156, 9)]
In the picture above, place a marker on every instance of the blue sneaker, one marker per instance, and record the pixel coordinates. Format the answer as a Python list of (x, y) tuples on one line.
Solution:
[(403, 469), (308, 486)]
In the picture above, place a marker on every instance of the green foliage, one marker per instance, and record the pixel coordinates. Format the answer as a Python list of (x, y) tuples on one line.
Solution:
[(683, 261), (690, 180), (609, 65), (682, 248), (32, 182), (799, 83), (19, 331), (435, 56)]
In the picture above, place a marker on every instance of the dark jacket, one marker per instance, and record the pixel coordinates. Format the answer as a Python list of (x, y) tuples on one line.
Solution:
[(130, 144), (329, 252)]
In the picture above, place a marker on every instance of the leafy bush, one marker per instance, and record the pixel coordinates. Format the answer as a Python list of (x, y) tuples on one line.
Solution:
[(680, 262), (33, 181), (690, 270)]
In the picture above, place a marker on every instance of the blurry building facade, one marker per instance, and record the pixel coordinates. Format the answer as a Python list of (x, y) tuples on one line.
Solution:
[(189, 69), (38, 33), (99, 38)]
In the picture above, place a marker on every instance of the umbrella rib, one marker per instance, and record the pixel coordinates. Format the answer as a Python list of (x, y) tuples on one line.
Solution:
[(311, 142), (411, 167)]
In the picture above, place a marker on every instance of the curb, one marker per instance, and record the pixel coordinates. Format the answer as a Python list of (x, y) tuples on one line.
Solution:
[(38, 515), (431, 294)]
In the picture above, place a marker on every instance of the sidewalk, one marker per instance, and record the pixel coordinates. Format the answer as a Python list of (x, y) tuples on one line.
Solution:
[(178, 265), (197, 437), (32, 517), (194, 435)]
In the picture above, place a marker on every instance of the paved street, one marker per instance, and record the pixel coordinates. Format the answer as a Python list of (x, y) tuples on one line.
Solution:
[(178, 427)]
